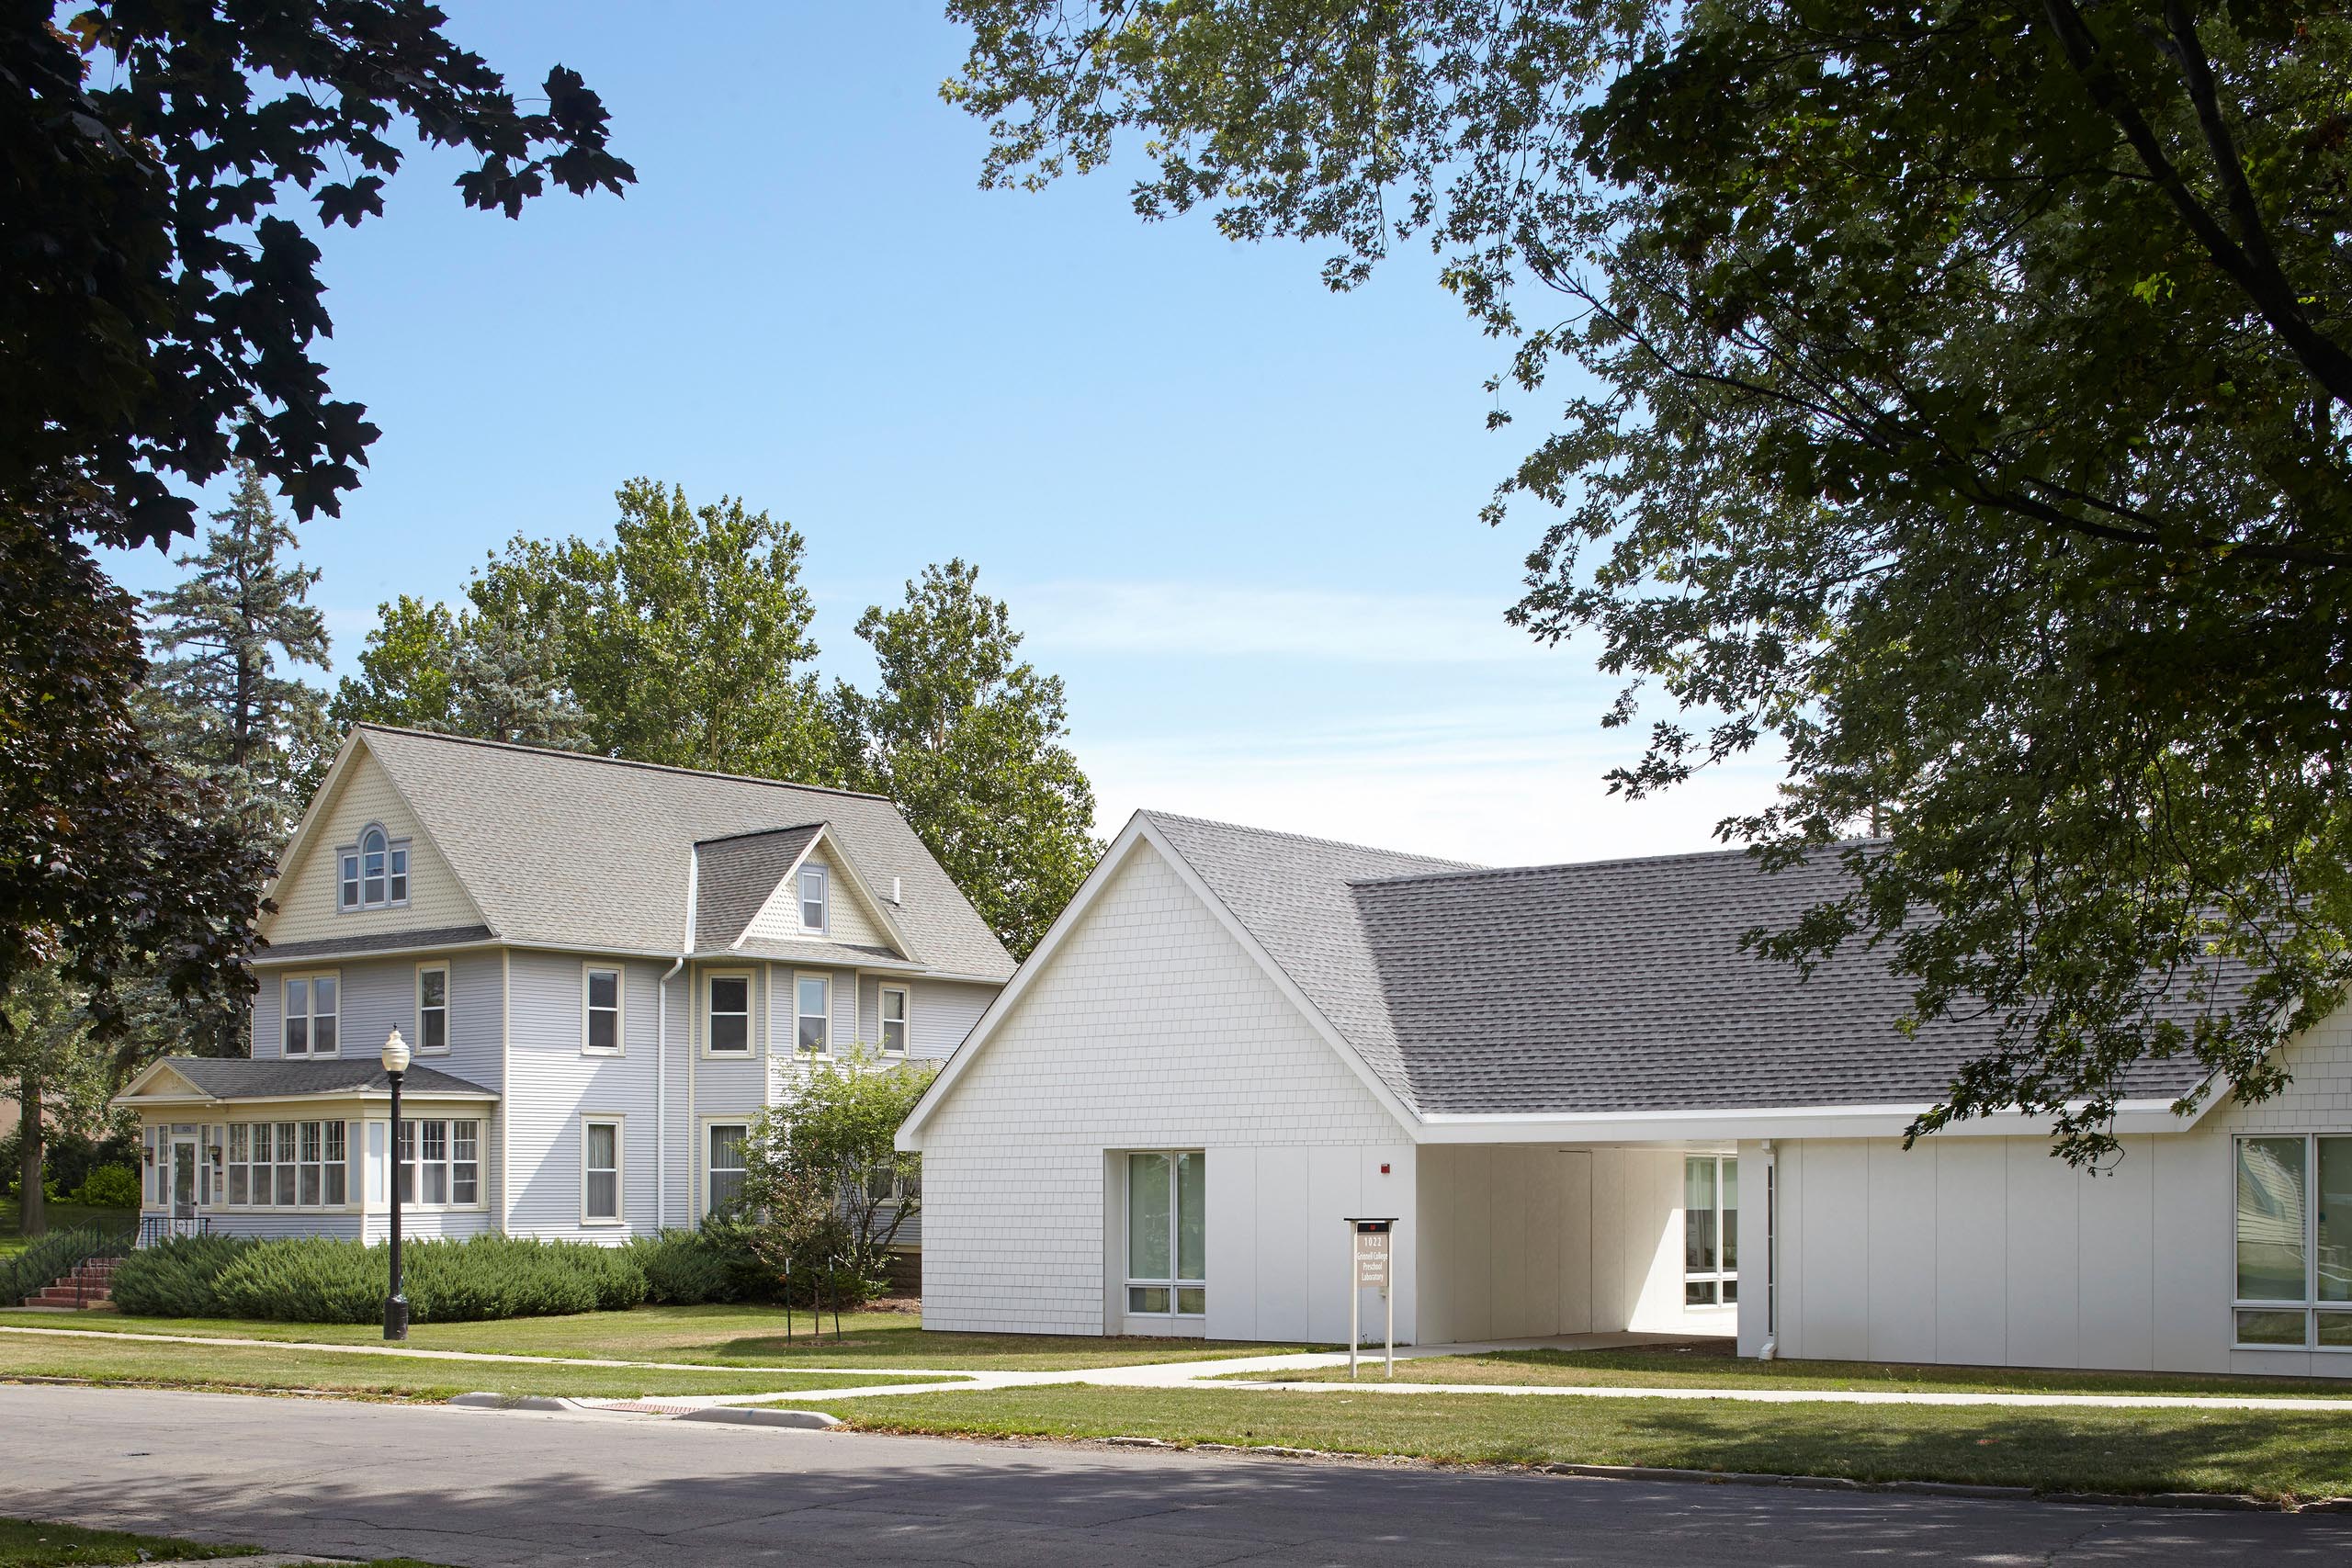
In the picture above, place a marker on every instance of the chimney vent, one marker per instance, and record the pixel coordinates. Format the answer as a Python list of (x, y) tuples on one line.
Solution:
[(894, 890)]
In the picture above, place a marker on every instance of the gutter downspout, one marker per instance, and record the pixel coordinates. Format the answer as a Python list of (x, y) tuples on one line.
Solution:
[(1769, 1349)]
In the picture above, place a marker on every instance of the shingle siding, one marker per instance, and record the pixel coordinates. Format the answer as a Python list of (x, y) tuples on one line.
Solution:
[(307, 894), (1149, 1028)]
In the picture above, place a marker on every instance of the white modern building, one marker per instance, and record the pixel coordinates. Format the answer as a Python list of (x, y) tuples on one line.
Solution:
[(604, 969), (1588, 1109)]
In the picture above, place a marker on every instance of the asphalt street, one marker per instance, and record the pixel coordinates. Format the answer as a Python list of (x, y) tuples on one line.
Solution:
[(483, 1489)]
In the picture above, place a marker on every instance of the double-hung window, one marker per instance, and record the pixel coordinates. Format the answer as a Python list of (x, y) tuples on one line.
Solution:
[(812, 897), (893, 1020), (601, 1008), (812, 1011), (373, 873), (432, 1008), (2294, 1242), (1710, 1230), (311, 1001), (729, 1013), (440, 1162), (1167, 1233), (600, 1170), (730, 1142)]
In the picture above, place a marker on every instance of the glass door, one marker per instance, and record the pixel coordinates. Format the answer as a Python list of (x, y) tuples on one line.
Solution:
[(183, 1199)]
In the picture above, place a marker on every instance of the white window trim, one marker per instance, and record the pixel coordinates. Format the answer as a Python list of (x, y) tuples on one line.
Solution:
[(447, 1031), (482, 1161), (824, 898), (350, 1203), (751, 1014), (391, 845), (827, 980), (1719, 1275), (620, 1169), (906, 1021), (620, 1006), (1175, 1282), (702, 1162), (2310, 1306), (310, 977)]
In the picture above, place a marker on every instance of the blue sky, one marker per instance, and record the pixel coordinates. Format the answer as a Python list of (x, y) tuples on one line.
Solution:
[(1236, 512)]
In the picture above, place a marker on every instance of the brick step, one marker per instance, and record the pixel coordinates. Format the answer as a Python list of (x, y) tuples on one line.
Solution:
[(56, 1297)]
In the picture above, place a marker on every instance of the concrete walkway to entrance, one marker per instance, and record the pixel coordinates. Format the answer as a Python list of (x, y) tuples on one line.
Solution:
[(1232, 1373)]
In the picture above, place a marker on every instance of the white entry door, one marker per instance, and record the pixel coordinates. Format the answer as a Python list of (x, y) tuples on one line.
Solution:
[(181, 1173)]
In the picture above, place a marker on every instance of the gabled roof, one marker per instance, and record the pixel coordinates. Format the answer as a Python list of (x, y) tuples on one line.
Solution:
[(561, 849), (738, 875), (239, 1077), (1605, 993)]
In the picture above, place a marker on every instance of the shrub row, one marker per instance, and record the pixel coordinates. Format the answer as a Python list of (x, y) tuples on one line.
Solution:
[(314, 1279)]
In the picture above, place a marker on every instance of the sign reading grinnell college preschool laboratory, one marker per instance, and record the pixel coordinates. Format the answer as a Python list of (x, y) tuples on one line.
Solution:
[(1368, 1267)]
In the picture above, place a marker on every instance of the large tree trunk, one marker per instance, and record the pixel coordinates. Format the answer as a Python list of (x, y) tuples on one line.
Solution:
[(33, 1209)]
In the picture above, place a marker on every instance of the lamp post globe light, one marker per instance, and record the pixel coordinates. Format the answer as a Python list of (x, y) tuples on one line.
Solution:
[(395, 1061)]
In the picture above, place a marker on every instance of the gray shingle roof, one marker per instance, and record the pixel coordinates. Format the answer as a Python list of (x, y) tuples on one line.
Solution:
[(736, 877), (236, 1078), (575, 850), (328, 946), (1612, 987)]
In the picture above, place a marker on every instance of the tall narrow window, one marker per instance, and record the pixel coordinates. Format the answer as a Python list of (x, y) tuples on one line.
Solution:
[(812, 897), (1167, 1233), (2294, 1242), (337, 1168), (728, 1142), (347, 888), (297, 1017), (893, 1020), (1710, 1231), (287, 1166), (603, 1010), (465, 1162), (601, 1172), (731, 1014), (373, 854), (433, 1010), (311, 1177), (239, 1158), (398, 893), (812, 1006)]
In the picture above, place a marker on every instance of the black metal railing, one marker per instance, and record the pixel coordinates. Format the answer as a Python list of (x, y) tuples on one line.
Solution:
[(56, 1259), (153, 1228)]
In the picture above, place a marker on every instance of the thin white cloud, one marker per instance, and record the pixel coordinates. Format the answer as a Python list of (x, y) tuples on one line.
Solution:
[(1218, 619)]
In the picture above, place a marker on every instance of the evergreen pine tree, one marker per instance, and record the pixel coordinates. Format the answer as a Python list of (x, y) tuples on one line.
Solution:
[(218, 704)]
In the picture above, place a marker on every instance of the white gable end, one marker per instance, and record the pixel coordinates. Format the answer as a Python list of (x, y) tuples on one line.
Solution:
[(1148, 1026), (361, 794)]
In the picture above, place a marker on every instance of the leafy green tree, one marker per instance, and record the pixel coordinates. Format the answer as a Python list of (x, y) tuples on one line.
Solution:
[(680, 638), (469, 672), (826, 1188), (159, 318), (969, 741), (1964, 406), (219, 706)]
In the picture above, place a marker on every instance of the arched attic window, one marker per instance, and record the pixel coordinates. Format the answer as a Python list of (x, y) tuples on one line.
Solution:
[(373, 873)]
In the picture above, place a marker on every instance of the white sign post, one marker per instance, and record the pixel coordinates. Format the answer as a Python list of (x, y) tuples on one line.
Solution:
[(1368, 1264)]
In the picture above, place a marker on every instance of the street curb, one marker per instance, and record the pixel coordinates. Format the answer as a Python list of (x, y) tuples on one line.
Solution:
[(511, 1402), (735, 1416), (2223, 1501)]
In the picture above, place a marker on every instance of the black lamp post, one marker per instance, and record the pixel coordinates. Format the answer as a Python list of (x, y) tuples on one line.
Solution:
[(395, 1060)]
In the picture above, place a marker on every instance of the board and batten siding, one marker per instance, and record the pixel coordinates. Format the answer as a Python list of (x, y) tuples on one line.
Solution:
[(1978, 1249), (306, 894), (1150, 1028)]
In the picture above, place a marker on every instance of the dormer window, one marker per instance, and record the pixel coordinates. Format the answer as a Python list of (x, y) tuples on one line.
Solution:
[(812, 897), (373, 873)]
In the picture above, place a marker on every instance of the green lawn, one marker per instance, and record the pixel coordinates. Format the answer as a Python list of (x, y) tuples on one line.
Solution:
[(2271, 1454), (717, 1336), (60, 1216), (401, 1377), (1718, 1367), (33, 1543)]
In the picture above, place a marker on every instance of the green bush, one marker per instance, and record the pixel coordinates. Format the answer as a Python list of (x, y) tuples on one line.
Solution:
[(109, 1187), (176, 1278), (685, 1268), (317, 1280)]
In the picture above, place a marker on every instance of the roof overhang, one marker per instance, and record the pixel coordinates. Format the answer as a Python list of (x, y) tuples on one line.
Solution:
[(1737, 1124)]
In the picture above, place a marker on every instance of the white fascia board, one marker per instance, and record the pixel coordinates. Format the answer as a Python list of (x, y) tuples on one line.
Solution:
[(1767, 1122), (127, 1101), (1139, 830)]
